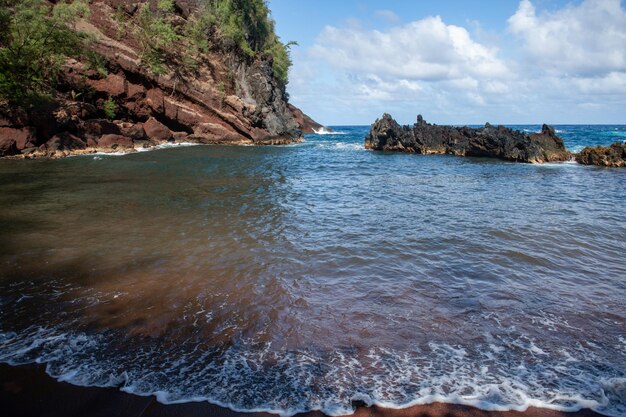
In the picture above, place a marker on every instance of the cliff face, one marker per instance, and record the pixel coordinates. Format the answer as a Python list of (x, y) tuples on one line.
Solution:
[(490, 141), (226, 98)]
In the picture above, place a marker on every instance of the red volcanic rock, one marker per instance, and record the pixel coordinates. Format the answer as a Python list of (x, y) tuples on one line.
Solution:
[(99, 127), (7, 146), (188, 117), (229, 98), (80, 110), (115, 141), (154, 99), (134, 131), (307, 124), (135, 91), (157, 131), (112, 85), (23, 138), (64, 141)]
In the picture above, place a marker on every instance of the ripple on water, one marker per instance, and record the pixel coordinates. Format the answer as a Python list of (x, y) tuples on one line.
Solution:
[(304, 277)]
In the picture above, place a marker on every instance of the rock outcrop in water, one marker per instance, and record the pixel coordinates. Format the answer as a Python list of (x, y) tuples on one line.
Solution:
[(227, 98), (606, 156), (489, 141)]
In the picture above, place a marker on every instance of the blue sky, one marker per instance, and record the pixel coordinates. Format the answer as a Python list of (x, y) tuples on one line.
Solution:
[(507, 61)]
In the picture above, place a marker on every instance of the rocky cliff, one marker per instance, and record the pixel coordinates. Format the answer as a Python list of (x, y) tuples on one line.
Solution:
[(489, 141), (223, 98)]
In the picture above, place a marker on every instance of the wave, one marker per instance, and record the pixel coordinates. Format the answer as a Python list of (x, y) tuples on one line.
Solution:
[(326, 131), (256, 378), (98, 155), (343, 146)]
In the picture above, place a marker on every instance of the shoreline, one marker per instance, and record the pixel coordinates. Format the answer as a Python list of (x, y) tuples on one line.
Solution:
[(125, 150), (28, 391)]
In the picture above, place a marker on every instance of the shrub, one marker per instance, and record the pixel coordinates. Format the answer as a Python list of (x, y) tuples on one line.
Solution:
[(110, 108), (247, 25), (35, 39), (156, 35)]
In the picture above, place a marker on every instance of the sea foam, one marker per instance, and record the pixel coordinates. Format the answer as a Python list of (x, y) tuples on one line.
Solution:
[(257, 378)]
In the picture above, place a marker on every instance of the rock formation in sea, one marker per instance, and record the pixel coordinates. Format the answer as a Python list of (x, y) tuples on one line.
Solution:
[(606, 156), (489, 141), (130, 99)]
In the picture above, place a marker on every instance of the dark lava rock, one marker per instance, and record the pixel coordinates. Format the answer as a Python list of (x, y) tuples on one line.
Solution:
[(489, 141), (605, 156)]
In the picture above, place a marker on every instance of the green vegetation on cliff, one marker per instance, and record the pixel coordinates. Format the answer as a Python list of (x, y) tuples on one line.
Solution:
[(36, 37), (244, 27)]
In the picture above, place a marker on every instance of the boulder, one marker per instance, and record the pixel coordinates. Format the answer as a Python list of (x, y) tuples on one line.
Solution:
[(113, 85), (64, 141), (135, 131), (99, 127), (115, 141), (606, 156), (7, 146), (157, 131), (180, 136), (489, 141), (23, 137)]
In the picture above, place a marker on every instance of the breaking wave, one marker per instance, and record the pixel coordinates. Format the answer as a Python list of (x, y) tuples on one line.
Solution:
[(506, 375)]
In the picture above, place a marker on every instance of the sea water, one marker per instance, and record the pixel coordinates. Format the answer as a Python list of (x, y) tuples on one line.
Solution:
[(307, 276)]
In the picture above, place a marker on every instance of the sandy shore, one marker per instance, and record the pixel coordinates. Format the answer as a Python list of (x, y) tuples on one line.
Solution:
[(27, 391)]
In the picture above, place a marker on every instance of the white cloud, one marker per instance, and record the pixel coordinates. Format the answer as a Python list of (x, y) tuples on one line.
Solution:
[(579, 40), (613, 83), (426, 49), (560, 65)]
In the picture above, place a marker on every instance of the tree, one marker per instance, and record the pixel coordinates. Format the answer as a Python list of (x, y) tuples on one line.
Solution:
[(35, 39)]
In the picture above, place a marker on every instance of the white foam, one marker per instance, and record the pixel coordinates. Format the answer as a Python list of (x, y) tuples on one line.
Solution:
[(169, 145), (98, 155), (326, 131), (505, 374), (342, 146)]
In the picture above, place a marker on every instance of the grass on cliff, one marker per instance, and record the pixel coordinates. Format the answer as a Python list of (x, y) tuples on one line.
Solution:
[(244, 27), (36, 38)]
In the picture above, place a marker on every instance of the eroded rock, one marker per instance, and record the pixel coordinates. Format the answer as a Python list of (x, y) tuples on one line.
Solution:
[(489, 141)]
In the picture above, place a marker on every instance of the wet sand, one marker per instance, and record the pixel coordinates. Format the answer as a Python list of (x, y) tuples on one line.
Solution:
[(27, 391)]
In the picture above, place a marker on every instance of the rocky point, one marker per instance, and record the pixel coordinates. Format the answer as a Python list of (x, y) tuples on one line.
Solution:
[(229, 99), (488, 141)]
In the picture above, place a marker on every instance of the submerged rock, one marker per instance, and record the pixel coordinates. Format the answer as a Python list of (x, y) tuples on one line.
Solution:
[(489, 141), (606, 156)]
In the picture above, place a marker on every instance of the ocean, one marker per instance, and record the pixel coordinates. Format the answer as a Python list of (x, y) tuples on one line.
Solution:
[(309, 276)]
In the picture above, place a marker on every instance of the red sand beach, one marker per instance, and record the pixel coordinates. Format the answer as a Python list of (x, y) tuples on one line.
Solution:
[(27, 391)]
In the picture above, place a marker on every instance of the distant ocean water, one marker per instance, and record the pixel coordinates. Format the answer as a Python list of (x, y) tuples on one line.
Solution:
[(307, 276)]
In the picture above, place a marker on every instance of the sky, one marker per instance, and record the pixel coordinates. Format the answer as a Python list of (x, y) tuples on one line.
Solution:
[(457, 62)]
